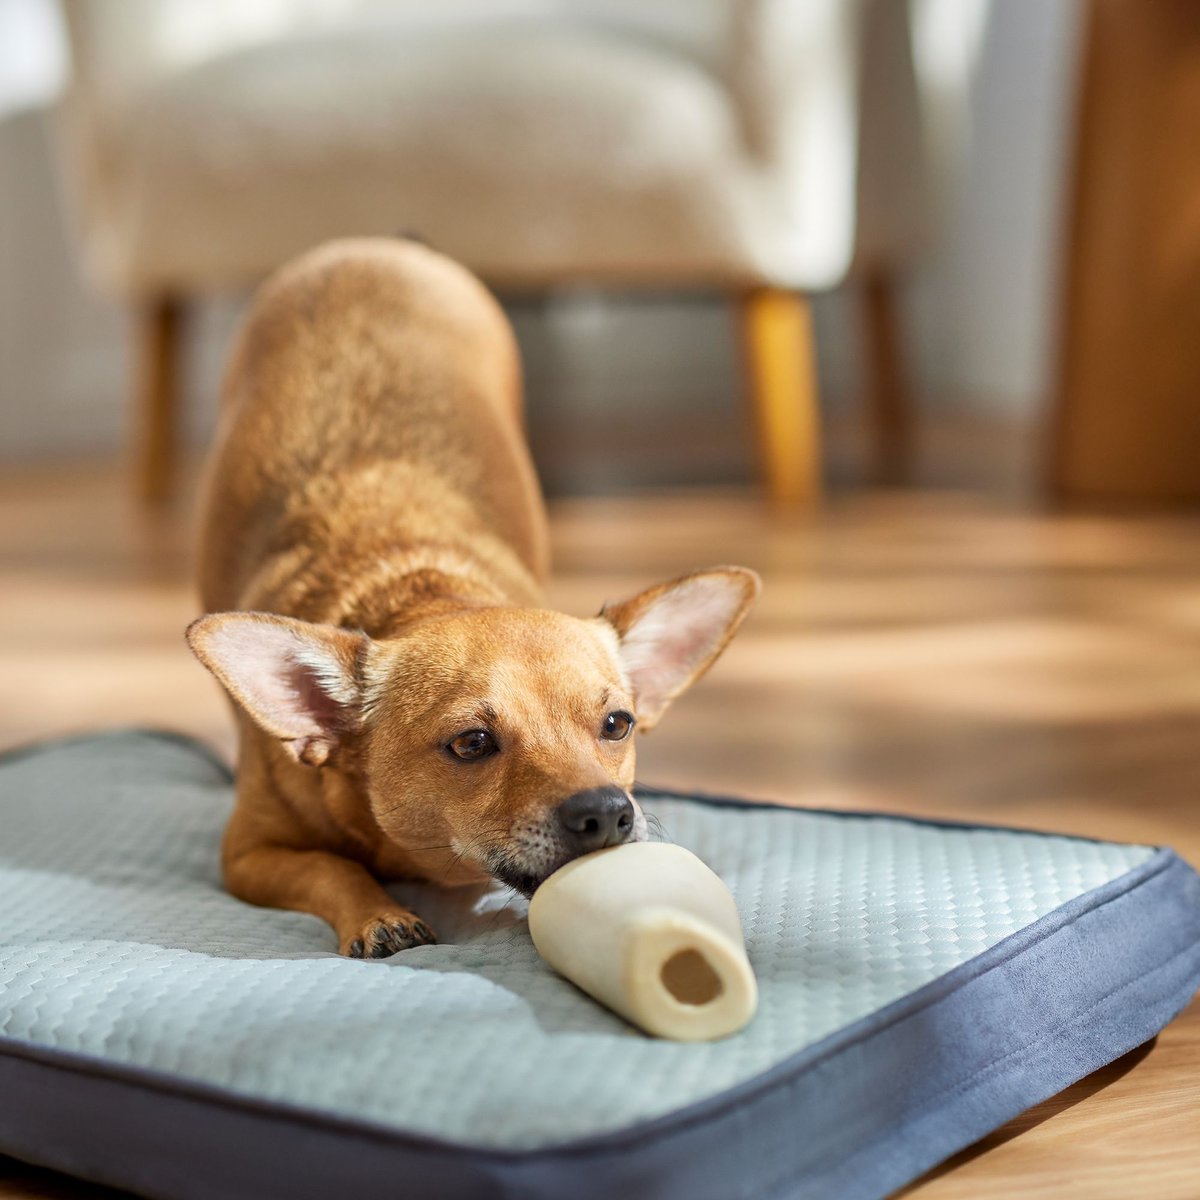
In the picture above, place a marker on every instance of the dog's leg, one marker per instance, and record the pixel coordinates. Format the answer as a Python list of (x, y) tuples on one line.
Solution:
[(368, 922)]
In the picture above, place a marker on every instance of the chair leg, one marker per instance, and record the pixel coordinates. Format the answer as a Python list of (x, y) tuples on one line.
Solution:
[(781, 379), (158, 334), (886, 385)]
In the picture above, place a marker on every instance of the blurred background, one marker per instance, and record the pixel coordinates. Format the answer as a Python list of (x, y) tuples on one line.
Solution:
[(187, 148), (896, 302)]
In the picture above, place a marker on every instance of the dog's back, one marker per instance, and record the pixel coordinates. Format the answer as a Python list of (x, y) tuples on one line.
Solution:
[(372, 407)]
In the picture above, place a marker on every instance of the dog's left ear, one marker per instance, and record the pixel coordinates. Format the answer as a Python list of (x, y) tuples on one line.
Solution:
[(671, 634), (298, 681)]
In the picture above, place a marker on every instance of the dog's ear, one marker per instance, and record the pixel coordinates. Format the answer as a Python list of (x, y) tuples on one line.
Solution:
[(296, 680), (671, 634)]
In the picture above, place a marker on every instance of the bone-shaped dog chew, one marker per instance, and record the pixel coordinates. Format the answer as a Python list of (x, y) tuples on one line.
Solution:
[(648, 930)]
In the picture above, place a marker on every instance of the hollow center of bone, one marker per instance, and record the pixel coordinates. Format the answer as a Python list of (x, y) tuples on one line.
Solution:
[(689, 978)]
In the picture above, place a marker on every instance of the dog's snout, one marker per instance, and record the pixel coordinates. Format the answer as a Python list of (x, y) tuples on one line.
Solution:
[(597, 817)]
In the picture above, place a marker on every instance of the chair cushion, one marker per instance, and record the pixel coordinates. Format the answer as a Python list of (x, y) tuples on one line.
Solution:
[(526, 148), (920, 984)]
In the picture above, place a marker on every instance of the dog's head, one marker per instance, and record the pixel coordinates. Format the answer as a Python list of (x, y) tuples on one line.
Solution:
[(493, 741)]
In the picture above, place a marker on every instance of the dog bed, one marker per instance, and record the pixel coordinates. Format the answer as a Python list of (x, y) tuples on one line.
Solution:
[(921, 983)]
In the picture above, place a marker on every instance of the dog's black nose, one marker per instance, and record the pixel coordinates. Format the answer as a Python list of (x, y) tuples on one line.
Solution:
[(595, 818)]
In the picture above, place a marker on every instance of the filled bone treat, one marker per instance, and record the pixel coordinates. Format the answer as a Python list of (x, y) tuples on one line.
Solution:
[(648, 930)]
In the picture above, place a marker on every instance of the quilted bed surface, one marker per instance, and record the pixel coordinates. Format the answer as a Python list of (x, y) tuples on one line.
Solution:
[(118, 942)]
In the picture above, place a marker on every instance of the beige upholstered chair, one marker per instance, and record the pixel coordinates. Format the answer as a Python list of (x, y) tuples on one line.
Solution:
[(765, 148)]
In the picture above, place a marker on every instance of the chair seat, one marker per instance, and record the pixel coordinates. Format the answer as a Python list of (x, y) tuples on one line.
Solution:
[(628, 153)]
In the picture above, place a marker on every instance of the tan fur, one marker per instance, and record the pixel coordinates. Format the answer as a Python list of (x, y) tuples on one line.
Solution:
[(371, 500)]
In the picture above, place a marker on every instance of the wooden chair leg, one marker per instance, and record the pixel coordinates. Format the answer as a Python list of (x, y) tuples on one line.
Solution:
[(886, 385), (781, 379), (158, 333)]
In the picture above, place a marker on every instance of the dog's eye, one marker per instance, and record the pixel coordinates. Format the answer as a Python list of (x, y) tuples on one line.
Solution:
[(617, 726), (475, 743)]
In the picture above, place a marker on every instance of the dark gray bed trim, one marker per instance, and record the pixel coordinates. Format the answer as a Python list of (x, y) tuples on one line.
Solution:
[(957, 1058)]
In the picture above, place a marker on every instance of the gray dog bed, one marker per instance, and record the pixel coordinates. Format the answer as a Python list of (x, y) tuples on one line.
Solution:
[(920, 984)]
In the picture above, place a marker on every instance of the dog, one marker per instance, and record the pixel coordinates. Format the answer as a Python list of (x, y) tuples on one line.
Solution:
[(372, 550)]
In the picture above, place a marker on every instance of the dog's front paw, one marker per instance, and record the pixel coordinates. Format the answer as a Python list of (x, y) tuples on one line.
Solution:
[(387, 934)]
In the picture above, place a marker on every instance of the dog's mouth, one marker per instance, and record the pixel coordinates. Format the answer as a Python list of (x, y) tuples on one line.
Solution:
[(511, 872), (531, 854)]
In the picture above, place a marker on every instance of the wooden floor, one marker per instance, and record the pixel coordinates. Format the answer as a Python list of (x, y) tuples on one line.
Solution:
[(930, 653)]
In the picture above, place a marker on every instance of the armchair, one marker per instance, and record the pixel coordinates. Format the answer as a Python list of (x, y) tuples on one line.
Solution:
[(765, 148)]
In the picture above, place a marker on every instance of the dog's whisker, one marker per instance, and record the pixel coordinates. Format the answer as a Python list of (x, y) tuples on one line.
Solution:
[(500, 912), (657, 828), (486, 839), (498, 831)]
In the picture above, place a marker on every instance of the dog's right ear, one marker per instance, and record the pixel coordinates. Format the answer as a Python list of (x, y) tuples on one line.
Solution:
[(298, 681), (671, 634)]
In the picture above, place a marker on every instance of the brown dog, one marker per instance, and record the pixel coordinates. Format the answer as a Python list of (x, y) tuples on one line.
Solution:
[(373, 548)]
